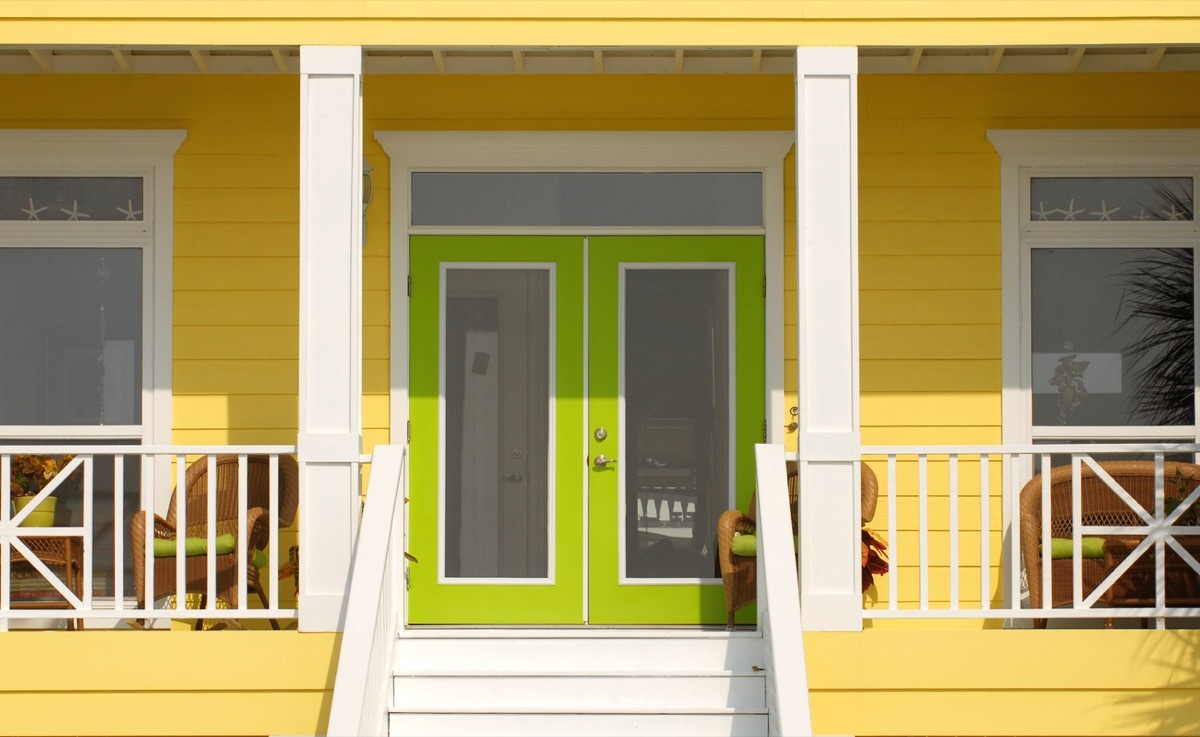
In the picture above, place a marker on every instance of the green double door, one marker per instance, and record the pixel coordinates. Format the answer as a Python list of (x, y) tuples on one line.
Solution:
[(583, 410)]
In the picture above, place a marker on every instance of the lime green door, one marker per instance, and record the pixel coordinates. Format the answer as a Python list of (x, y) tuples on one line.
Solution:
[(675, 405), (569, 464)]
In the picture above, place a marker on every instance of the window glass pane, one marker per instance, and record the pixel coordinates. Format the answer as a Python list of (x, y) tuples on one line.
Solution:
[(1110, 198), (677, 414), (71, 198), (587, 198), (70, 336), (497, 386), (1112, 336)]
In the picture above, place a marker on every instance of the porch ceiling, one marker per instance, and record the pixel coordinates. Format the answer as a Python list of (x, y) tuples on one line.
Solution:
[(574, 60)]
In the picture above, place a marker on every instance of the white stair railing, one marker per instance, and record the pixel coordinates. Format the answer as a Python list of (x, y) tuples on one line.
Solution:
[(779, 600), (375, 603)]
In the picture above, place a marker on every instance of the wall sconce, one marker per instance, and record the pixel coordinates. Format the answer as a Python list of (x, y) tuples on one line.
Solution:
[(368, 194)]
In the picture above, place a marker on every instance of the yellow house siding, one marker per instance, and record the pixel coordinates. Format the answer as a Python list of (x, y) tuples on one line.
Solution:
[(930, 304), (671, 23), (156, 683)]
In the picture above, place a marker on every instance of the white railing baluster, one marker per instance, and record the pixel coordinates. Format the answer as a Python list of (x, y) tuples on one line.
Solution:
[(118, 533), (243, 505), (1047, 583), (210, 524), (893, 538), (985, 532), (923, 526), (1012, 499), (147, 505), (1076, 531), (273, 532), (954, 531), (1160, 543), (5, 547), (180, 533), (88, 526)]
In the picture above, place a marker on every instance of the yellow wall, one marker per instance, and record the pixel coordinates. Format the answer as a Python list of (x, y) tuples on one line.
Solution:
[(662, 23), (929, 213), (157, 683), (1005, 682)]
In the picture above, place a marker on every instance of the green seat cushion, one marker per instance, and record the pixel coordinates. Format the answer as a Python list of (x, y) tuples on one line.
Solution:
[(1062, 548), (165, 548), (747, 545)]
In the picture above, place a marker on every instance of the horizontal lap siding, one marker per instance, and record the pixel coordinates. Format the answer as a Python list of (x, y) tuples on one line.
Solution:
[(930, 260)]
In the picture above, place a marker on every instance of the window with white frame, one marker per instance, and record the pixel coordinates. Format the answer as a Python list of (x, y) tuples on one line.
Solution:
[(85, 293), (1099, 276)]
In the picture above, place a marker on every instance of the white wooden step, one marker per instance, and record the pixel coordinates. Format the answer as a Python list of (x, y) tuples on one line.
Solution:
[(710, 724), (613, 691), (557, 655)]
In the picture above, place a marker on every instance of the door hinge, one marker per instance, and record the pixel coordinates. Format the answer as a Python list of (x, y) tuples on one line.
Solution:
[(410, 285), (408, 432), (764, 431), (406, 583), (764, 285)]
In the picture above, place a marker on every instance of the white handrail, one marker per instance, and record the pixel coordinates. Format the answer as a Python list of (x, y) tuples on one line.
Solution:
[(779, 599), (374, 604)]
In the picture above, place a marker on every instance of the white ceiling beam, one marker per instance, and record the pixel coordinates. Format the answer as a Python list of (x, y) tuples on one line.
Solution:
[(679, 61), (756, 60), (1154, 56), (42, 59), (439, 61), (914, 58), (1076, 59), (122, 60), (201, 59), (518, 61), (598, 61), (280, 60), (996, 57)]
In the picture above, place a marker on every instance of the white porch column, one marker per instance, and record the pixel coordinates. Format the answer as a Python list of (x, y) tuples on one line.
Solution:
[(330, 326), (829, 438)]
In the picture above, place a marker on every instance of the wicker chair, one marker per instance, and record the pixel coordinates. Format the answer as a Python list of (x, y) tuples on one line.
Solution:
[(258, 525), (1099, 506), (739, 573)]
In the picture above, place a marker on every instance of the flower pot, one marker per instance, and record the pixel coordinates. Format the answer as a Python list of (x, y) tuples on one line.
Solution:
[(41, 516)]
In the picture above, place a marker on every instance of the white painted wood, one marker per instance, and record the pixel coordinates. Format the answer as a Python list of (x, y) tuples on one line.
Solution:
[(779, 599), (615, 691), (546, 654), (579, 725), (828, 366), (375, 604), (923, 526), (330, 325)]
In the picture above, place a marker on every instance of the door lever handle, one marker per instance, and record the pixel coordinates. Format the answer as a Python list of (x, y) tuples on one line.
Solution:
[(602, 462), (514, 477)]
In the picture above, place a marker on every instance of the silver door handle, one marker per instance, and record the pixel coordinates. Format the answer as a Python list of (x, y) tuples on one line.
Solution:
[(601, 461), (514, 477)]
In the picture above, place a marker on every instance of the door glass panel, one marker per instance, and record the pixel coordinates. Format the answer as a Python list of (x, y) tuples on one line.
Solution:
[(497, 416), (676, 383)]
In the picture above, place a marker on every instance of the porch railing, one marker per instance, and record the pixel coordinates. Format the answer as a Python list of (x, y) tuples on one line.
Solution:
[(79, 566), (375, 604), (953, 519)]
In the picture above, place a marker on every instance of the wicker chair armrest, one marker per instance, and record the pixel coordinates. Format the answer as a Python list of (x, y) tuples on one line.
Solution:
[(258, 528), (730, 522), (161, 529)]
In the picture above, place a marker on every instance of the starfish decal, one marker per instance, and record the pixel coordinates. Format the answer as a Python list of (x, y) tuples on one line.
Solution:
[(1174, 213), (1042, 213), (74, 213), (32, 212), (1105, 211), (1071, 212), (1143, 215), (130, 213)]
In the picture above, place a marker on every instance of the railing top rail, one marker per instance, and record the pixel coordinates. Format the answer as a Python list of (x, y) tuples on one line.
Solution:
[(1028, 448), (162, 450)]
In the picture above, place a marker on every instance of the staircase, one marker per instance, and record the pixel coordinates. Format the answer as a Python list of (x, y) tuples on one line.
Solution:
[(608, 682)]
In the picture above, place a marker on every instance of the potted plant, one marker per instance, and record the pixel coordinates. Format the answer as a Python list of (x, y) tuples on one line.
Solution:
[(29, 474)]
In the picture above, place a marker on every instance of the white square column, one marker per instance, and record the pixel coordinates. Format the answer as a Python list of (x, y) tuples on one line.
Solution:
[(330, 439), (829, 440)]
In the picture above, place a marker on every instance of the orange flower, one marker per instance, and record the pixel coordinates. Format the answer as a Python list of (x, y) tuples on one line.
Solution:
[(30, 473)]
